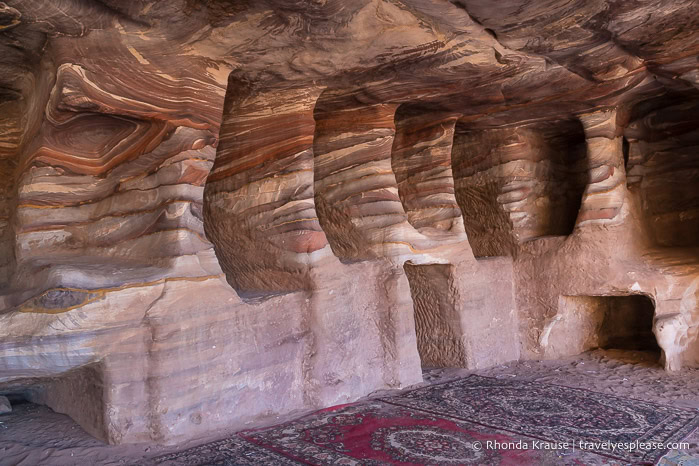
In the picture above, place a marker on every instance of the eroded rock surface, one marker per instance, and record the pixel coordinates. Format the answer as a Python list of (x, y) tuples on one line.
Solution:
[(5, 406), (215, 212)]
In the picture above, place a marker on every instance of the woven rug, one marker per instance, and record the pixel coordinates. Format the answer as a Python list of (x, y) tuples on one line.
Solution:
[(560, 414), (476, 420)]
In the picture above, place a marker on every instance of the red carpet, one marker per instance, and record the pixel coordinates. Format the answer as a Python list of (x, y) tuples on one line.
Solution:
[(377, 433)]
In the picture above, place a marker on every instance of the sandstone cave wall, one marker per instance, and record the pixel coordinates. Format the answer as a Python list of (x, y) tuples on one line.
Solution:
[(212, 215), (663, 169)]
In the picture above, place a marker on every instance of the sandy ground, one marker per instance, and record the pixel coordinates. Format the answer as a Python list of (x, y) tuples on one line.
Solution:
[(34, 435)]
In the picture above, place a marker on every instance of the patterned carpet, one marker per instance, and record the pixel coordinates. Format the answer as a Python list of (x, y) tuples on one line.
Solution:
[(475, 420)]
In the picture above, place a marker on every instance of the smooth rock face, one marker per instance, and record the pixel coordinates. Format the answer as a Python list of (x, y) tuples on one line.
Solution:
[(213, 213)]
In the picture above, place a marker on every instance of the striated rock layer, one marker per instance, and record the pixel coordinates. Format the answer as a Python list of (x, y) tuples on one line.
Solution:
[(213, 213)]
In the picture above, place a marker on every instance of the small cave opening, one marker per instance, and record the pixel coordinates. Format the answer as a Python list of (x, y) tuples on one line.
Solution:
[(16, 398), (664, 168), (587, 323), (437, 321), (34, 421), (519, 183), (73, 398), (627, 324)]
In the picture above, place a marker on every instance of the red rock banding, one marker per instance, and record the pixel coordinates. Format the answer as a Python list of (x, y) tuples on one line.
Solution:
[(213, 213)]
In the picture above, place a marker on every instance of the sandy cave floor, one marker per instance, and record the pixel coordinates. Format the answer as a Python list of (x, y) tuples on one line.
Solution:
[(35, 435)]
